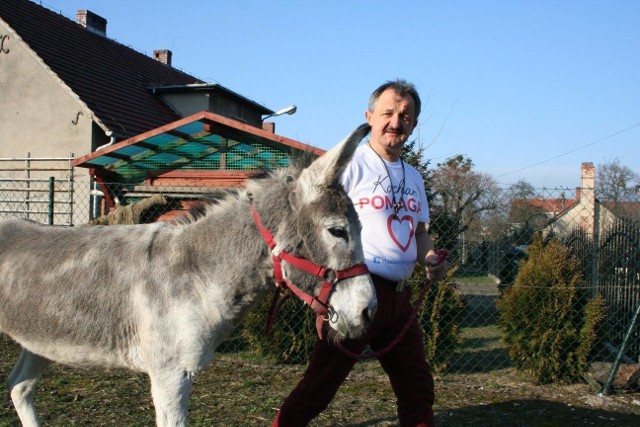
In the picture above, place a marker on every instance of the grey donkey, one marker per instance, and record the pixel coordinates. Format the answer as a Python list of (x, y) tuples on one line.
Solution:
[(159, 298)]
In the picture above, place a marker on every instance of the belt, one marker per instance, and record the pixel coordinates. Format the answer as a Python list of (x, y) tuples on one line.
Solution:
[(397, 285)]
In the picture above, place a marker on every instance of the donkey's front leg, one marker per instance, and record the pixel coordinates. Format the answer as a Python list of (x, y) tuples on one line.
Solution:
[(22, 383), (170, 389)]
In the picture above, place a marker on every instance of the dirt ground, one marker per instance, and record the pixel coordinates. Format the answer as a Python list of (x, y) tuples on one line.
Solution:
[(507, 398), (235, 392), (499, 398)]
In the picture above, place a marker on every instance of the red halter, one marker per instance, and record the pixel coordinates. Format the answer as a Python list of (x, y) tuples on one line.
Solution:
[(319, 304)]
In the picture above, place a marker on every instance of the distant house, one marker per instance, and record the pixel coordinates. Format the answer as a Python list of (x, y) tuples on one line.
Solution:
[(562, 215), (66, 90), (588, 213), (539, 210)]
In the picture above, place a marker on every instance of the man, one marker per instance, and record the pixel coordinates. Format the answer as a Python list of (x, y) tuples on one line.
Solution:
[(390, 199)]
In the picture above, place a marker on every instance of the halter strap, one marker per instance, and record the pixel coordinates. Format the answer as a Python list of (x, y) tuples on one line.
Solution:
[(319, 304)]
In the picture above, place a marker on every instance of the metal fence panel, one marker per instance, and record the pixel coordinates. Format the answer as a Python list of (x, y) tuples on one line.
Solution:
[(605, 238)]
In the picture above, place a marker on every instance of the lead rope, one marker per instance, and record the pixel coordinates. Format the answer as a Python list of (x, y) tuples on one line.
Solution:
[(442, 255), (403, 331)]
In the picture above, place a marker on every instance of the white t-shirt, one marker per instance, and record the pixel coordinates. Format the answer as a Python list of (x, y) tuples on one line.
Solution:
[(388, 241)]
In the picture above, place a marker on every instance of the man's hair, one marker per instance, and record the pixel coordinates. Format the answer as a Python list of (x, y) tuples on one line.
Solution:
[(402, 88)]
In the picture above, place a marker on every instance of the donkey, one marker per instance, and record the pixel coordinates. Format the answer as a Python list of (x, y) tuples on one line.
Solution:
[(159, 298)]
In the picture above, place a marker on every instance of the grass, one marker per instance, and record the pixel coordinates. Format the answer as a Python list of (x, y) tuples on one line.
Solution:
[(473, 278), (239, 390)]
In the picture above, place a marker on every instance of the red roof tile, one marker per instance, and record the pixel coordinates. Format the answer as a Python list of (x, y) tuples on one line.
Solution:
[(525, 208)]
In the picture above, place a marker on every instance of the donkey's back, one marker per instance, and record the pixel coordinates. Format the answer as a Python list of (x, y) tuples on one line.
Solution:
[(70, 294)]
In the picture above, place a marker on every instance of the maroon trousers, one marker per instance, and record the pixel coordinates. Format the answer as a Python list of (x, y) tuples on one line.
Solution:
[(408, 371)]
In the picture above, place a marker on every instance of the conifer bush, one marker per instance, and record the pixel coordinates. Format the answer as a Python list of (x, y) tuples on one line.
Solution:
[(549, 317), (292, 336), (440, 317)]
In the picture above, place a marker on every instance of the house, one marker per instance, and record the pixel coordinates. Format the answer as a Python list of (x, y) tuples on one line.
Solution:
[(562, 215), (66, 90), (67, 87), (539, 210), (589, 214)]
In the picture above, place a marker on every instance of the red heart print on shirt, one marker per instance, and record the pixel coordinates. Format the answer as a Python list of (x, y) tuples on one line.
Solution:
[(406, 240)]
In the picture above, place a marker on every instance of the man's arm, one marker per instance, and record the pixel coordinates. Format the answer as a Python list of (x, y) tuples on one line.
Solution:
[(423, 242), (427, 255)]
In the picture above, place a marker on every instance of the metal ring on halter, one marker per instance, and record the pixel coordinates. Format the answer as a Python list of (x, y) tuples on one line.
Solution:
[(331, 276), (332, 315)]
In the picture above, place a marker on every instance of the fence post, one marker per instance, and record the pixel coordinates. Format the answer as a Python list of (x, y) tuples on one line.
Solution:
[(616, 363), (52, 182), (27, 175), (70, 188)]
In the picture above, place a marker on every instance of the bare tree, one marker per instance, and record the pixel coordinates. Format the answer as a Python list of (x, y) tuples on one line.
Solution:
[(462, 192), (616, 182), (522, 190)]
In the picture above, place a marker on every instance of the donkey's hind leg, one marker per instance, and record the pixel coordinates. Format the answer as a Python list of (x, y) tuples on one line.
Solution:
[(22, 383)]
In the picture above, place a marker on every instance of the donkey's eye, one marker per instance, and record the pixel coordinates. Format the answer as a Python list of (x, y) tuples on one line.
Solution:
[(339, 232)]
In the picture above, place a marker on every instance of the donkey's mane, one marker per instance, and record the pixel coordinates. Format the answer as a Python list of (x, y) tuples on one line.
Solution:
[(208, 201)]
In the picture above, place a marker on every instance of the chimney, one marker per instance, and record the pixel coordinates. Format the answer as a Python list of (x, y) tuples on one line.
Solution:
[(92, 22), (588, 215), (163, 55), (587, 176)]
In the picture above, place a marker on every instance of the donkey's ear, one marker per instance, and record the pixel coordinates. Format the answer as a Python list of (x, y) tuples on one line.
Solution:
[(326, 170)]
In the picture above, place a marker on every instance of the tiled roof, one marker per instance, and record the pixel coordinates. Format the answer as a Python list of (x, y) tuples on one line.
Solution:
[(522, 209), (110, 78), (624, 209)]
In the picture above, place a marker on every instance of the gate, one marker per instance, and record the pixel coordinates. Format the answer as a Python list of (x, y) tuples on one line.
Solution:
[(37, 188), (619, 283)]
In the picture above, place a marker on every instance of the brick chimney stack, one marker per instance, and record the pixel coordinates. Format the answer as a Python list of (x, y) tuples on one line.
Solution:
[(587, 176), (92, 22), (588, 216), (163, 55)]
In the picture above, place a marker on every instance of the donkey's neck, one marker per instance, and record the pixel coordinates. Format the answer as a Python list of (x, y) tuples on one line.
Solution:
[(236, 269)]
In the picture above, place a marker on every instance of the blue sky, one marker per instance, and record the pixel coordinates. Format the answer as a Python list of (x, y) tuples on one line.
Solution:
[(527, 89)]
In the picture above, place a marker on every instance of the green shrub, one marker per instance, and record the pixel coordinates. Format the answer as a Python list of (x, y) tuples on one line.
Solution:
[(440, 317), (548, 317), (292, 336)]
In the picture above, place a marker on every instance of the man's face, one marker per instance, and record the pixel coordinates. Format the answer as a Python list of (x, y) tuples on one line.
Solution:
[(392, 121)]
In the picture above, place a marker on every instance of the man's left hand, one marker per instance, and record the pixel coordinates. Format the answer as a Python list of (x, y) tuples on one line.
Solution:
[(436, 264)]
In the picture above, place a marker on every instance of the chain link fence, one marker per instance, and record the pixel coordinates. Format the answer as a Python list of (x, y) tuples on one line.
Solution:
[(507, 301)]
